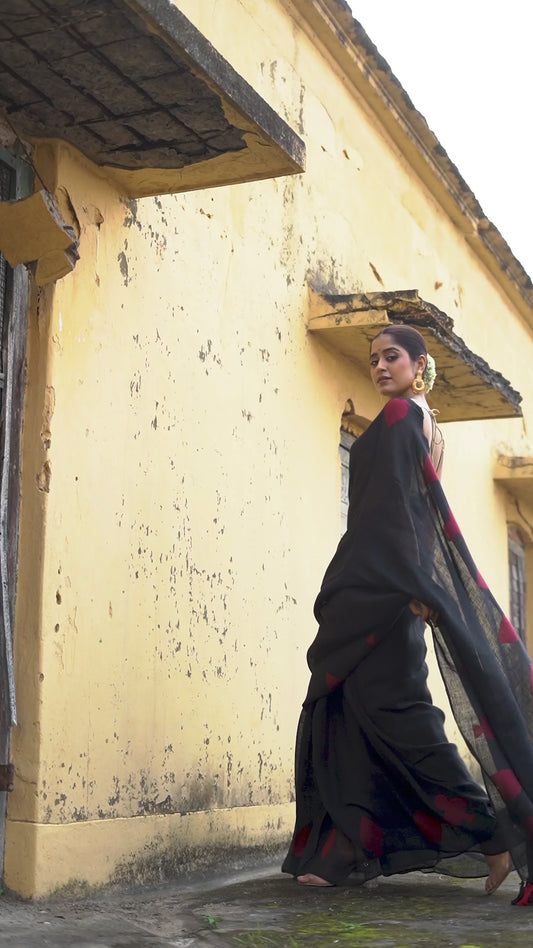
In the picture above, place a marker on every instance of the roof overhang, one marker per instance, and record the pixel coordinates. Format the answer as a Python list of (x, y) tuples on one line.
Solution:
[(466, 388), (140, 92), (516, 474), (333, 23)]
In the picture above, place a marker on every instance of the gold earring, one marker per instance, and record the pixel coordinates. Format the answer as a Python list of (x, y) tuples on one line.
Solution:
[(419, 385)]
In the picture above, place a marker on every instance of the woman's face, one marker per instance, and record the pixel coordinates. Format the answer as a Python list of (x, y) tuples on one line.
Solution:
[(391, 368)]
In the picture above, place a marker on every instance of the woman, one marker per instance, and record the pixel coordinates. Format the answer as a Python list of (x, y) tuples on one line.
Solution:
[(379, 788)]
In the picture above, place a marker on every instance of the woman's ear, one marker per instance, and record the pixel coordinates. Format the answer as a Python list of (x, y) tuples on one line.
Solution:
[(421, 363)]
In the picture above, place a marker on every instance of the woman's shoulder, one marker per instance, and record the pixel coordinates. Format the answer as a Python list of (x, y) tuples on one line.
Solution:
[(399, 425), (402, 409)]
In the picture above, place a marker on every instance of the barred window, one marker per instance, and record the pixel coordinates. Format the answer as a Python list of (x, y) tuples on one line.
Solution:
[(517, 580), (347, 439), (352, 425), (7, 191)]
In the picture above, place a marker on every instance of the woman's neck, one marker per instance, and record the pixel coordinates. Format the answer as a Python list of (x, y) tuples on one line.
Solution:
[(420, 399)]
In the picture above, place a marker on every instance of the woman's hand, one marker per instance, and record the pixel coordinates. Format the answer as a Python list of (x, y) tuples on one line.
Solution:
[(425, 612)]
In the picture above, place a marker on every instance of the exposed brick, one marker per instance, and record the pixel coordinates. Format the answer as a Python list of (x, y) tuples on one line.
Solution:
[(64, 96), (52, 44), (115, 134), (102, 26), (196, 149), (19, 9), (28, 123), (203, 117), (34, 22), (16, 55), (90, 74), (45, 117), (151, 158), (88, 143), (139, 58), (160, 126), (15, 91), (231, 140), (66, 10), (180, 87)]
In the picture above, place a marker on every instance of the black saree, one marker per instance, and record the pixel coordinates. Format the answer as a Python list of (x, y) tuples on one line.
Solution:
[(379, 789)]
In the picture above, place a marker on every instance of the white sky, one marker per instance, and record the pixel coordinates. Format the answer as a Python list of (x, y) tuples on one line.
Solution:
[(467, 66)]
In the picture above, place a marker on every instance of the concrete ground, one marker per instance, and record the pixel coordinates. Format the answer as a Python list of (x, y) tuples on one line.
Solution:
[(265, 909)]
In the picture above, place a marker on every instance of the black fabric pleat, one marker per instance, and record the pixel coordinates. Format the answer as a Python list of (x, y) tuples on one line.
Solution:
[(379, 789)]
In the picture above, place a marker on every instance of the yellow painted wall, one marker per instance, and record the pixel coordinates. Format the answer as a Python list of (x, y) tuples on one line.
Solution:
[(181, 478)]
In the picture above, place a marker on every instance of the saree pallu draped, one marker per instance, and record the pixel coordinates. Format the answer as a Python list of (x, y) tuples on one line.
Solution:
[(379, 788)]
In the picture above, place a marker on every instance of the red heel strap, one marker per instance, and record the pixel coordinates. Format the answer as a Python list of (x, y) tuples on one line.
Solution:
[(525, 896)]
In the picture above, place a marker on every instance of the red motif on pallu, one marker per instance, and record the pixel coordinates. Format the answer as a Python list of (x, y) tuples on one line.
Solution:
[(454, 809), (483, 728), (429, 472), (300, 840), (371, 837), (371, 640), (328, 845), (395, 410), (332, 682), (507, 631), (481, 582), (451, 527), (507, 784), (429, 826), (525, 896)]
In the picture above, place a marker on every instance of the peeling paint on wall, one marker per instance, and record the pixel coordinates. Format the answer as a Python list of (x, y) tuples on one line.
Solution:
[(44, 477), (196, 495), (48, 411), (124, 266)]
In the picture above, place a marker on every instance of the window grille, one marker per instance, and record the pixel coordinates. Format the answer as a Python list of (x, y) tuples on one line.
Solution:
[(7, 184), (517, 584), (346, 442)]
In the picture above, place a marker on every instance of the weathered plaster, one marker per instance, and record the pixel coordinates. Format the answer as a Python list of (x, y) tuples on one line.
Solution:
[(167, 575), (33, 231), (137, 89)]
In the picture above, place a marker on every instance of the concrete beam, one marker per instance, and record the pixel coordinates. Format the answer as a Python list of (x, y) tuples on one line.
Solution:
[(135, 87), (32, 230), (466, 388)]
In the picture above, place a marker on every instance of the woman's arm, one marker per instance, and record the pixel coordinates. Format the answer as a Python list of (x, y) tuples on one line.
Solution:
[(425, 612)]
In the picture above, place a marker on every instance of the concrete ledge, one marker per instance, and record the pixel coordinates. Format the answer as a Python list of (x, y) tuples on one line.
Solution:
[(466, 388), (32, 230), (137, 89)]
